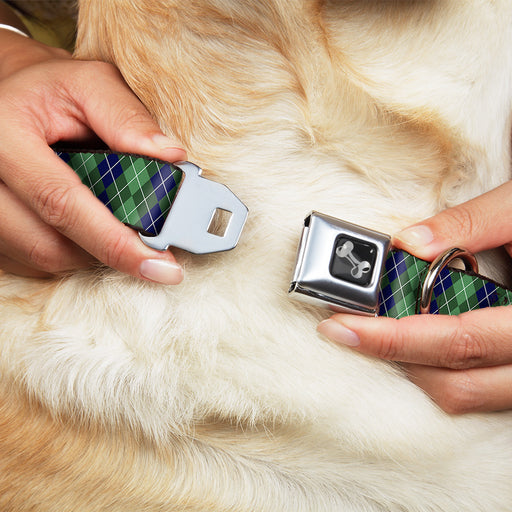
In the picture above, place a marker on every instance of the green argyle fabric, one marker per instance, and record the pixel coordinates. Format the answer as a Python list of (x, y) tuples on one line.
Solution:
[(138, 191), (454, 291)]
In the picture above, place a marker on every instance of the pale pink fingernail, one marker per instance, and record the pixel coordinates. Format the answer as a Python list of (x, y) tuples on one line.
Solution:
[(161, 271), (416, 236), (338, 333)]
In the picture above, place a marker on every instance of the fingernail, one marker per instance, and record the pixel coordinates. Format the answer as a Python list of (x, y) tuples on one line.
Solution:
[(338, 333), (161, 271), (165, 143), (416, 236)]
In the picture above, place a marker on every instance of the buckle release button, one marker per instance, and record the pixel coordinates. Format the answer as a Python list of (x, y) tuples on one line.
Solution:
[(339, 265), (353, 260)]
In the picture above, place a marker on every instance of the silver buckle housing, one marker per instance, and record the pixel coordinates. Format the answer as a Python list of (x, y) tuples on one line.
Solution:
[(339, 265), (191, 214)]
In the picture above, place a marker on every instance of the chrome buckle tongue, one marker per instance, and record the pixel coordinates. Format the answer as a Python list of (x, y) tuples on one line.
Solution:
[(188, 223), (339, 265)]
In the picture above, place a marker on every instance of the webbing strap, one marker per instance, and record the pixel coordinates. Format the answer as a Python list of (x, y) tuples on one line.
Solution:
[(138, 191), (454, 291)]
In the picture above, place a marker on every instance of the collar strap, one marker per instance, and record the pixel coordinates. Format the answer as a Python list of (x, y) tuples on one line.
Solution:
[(352, 269), (453, 291), (169, 204)]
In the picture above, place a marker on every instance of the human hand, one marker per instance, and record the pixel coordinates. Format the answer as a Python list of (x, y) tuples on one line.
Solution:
[(463, 362), (51, 222)]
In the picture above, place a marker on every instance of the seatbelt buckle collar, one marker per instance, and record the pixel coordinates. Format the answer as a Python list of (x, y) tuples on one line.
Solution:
[(339, 265), (189, 222)]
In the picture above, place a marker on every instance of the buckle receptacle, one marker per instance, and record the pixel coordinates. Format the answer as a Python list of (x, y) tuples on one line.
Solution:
[(339, 265)]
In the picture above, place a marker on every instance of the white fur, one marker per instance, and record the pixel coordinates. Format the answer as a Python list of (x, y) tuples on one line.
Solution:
[(295, 423)]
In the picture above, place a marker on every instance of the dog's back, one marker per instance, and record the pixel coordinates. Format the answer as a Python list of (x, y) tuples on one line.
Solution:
[(217, 394)]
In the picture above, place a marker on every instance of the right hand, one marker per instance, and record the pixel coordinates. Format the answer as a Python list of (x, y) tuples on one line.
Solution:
[(463, 362), (51, 222)]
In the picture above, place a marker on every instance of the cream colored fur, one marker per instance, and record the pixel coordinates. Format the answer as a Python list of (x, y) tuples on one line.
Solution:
[(218, 394)]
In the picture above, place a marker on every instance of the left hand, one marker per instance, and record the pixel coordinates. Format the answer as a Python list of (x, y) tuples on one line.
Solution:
[(463, 362), (51, 222)]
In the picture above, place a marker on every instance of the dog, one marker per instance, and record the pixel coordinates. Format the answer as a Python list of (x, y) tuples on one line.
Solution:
[(218, 394)]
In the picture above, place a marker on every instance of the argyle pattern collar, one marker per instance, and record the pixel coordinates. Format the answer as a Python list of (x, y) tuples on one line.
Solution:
[(139, 191), (454, 291)]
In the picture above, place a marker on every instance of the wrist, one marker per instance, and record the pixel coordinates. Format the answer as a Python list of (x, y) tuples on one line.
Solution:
[(18, 52)]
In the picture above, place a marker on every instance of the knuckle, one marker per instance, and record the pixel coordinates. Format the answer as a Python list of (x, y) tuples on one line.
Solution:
[(386, 349), (389, 346), (115, 250), (465, 349), (54, 205), (460, 394), (461, 220), (42, 257), (79, 83), (131, 118)]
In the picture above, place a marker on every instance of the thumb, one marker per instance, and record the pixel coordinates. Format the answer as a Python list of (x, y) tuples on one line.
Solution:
[(119, 118), (479, 224)]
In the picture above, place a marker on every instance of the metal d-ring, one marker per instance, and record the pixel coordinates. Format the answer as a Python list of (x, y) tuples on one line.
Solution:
[(435, 269)]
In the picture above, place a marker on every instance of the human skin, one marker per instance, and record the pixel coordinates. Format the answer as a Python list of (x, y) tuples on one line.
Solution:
[(463, 362), (51, 223)]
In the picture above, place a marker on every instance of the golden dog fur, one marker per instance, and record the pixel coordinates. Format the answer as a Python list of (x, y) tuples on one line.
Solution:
[(218, 395)]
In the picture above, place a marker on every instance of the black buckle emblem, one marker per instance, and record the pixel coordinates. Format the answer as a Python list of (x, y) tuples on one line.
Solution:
[(339, 265)]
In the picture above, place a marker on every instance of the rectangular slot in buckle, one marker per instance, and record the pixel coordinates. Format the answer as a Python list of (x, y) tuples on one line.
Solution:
[(190, 224)]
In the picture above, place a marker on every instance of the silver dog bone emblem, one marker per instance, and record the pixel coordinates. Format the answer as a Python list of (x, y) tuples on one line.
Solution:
[(358, 267), (187, 225), (339, 265)]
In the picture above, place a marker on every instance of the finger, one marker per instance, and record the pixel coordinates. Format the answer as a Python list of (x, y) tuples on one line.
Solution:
[(117, 116), (29, 242), (14, 267), (51, 189), (479, 224), (67, 99), (57, 196), (463, 391), (478, 338)]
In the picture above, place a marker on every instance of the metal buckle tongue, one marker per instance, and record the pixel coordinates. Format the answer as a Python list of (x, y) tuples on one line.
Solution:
[(339, 265), (187, 225)]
